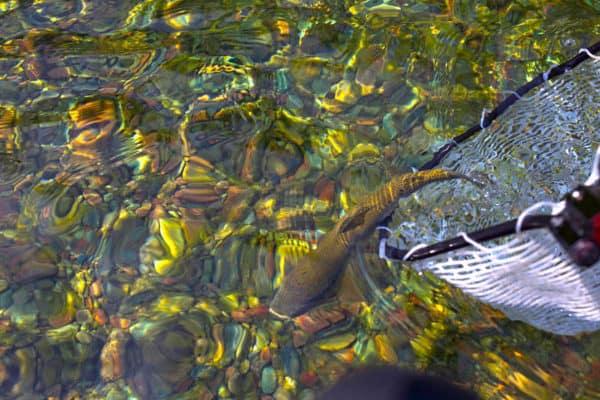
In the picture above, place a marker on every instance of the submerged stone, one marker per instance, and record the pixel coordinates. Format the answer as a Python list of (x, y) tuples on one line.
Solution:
[(83, 337), (268, 380), (291, 361), (336, 343), (113, 356)]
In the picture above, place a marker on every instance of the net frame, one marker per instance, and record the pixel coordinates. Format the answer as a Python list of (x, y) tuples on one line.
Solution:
[(556, 295)]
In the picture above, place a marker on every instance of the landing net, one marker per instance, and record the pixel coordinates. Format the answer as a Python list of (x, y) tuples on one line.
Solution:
[(537, 148)]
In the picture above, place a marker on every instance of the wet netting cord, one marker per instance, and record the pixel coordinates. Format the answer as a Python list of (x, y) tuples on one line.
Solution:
[(488, 117)]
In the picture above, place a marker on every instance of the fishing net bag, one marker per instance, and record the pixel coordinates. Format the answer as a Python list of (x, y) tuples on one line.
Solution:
[(534, 148)]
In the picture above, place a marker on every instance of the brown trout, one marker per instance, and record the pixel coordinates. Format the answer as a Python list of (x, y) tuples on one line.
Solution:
[(316, 274)]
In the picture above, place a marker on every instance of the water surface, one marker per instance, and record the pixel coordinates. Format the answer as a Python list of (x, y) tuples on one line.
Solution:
[(162, 162)]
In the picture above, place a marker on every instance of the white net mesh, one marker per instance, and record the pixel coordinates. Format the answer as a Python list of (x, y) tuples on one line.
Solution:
[(538, 150), (530, 279)]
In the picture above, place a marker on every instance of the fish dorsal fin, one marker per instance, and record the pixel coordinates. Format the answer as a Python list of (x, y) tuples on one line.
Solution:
[(353, 220)]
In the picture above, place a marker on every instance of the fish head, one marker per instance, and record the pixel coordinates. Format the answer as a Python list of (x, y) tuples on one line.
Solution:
[(302, 289), (292, 300), (310, 280)]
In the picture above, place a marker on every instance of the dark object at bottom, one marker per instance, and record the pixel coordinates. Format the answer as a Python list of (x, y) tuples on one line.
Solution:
[(389, 383)]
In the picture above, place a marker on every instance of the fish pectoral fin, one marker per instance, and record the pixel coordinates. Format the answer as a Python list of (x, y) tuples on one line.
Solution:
[(349, 289), (353, 220)]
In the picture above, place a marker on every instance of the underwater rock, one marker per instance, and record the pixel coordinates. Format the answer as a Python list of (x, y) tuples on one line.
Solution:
[(59, 214), (281, 159), (8, 372), (263, 273), (62, 334), (120, 246), (385, 351), (96, 288), (337, 342), (308, 378), (23, 263), (291, 361), (236, 342), (113, 357), (325, 38), (100, 316), (234, 381), (236, 205), (229, 273), (171, 304), (9, 206), (50, 361), (27, 372), (249, 314), (282, 394), (307, 394), (198, 195), (57, 305), (165, 353), (18, 372), (240, 383), (78, 360), (370, 62), (268, 380), (83, 337), (165, 246)]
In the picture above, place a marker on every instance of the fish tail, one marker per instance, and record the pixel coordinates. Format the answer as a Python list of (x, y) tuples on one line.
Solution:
[(443, 175), (386, 198), (406, 184)]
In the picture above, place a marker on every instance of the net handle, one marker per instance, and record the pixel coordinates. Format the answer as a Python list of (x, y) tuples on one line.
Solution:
[(459, 242)]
